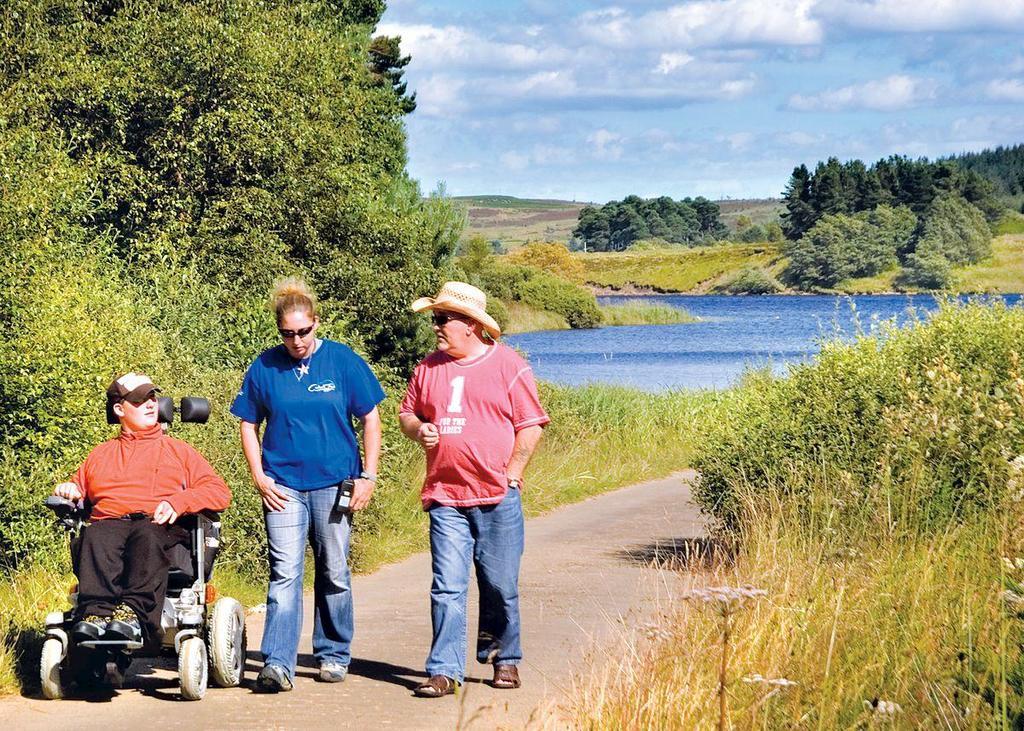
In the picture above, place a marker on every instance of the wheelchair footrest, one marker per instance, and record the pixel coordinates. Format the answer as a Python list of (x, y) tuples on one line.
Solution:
[(111, 644)]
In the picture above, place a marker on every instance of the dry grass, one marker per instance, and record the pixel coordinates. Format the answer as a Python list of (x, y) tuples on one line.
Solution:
[(918, 624), (677, 269)]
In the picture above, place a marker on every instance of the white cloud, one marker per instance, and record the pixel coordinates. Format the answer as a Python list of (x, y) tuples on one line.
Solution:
[(738, 141), (736, 88), (605, 144), (439, 96), (801, 139), (706, 23), (1009, 90), (923, 16), (450, 46), (669, 62), (515, 160), (891, 93), (546, 84)]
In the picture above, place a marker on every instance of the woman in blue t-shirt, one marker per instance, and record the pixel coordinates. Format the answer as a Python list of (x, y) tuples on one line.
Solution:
[(306, 393)]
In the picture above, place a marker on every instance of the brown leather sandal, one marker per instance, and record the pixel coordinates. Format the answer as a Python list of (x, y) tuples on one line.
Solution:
[(435, 687), (506, 677)]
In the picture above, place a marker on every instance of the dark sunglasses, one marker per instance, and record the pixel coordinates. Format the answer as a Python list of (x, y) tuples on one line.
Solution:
[(441, 318), (140, 402), (296, 333)]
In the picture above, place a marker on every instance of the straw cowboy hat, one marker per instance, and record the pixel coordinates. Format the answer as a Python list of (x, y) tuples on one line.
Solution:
[(462, 298)]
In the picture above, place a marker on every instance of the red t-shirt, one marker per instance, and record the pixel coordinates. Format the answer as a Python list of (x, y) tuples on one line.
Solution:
[(478, 406)]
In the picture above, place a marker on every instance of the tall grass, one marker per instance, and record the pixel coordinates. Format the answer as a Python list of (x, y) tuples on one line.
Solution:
[(1001, 272), (524, 318), (876, 496), (600, 438), (916, 623), (643, 312)]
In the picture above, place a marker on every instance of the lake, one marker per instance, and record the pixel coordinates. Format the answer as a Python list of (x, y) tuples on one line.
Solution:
[(734, 333)]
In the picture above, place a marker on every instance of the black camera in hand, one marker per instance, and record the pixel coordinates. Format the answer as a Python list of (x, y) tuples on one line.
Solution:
[(343, 500)]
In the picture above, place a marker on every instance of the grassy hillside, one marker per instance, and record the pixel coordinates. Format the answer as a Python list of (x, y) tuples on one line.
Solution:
[(759, 211), (679, 270), (516, 221)]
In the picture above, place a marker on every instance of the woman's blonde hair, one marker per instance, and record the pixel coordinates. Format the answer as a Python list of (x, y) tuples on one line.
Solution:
[(292, 294)]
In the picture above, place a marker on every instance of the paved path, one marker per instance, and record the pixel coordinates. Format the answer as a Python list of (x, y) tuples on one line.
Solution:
[(586, 566)]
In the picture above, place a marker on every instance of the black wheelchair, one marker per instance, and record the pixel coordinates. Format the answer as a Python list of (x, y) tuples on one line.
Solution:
[(206, 633)]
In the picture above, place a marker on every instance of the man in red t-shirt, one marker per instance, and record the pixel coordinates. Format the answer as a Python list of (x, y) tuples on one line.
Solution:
[(474, 408), (137, 484)]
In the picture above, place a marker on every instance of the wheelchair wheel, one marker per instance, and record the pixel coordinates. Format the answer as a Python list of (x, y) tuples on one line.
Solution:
[(227, 643), (49, 669), (192, 673)]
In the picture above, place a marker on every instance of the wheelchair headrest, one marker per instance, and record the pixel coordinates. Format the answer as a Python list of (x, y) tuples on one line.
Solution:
[(193, 409)]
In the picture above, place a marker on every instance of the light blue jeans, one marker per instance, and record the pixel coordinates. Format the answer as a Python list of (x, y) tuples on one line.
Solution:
[(491, 536), (308, 516)]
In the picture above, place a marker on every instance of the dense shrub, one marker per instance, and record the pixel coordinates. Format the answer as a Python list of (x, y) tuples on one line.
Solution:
[(550, 257), (535, 287), (908, 427), (752, 280), (575, 304)]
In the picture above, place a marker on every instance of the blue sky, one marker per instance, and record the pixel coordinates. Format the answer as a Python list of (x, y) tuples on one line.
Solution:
[(594, 101)]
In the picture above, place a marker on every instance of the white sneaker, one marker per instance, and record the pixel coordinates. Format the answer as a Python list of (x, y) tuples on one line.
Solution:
[(332, 672)]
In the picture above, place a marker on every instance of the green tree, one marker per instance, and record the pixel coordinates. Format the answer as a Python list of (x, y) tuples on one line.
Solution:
[(387, 64), (800, 213), (241, 139)]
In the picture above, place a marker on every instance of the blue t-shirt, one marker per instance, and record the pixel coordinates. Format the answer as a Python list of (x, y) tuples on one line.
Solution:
[(308, 440)]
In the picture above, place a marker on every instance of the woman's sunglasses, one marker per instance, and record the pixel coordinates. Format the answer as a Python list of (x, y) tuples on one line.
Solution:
[(441, 318), (296, 333)]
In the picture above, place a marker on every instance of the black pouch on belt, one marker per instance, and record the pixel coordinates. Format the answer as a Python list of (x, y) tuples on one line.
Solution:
[(343, 500)]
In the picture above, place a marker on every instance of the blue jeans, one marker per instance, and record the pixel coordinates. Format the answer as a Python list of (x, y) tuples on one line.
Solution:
[(491, 536), (308, 516)]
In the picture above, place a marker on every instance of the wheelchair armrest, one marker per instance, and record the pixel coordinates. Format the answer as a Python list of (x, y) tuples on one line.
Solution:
[(189, 521), (66, 509)]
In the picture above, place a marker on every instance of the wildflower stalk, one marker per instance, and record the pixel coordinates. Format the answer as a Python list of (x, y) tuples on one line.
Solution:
[(722, 702)]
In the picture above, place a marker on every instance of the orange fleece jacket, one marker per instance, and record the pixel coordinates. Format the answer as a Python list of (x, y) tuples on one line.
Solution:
[(135, 472)]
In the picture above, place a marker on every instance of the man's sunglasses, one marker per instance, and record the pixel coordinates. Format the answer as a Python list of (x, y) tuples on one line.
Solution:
[(441, 318), (296, 333), (139, 401)]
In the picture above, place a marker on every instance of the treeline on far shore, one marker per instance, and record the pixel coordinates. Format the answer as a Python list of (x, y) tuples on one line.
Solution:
[(913, 221)]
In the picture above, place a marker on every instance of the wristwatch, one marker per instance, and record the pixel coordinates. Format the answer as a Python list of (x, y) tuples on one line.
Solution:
[(368, 476), (515, 484)]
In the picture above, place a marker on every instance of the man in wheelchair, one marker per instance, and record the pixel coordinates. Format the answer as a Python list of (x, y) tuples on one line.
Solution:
[(137, 484)]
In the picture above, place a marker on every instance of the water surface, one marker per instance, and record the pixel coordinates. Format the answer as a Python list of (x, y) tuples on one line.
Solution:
[(734, 333)]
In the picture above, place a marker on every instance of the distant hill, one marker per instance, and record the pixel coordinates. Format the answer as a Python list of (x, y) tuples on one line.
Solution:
[(516, 221), (508, 201)]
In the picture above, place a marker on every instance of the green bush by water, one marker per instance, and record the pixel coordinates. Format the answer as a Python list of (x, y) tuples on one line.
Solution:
[(917, 425)]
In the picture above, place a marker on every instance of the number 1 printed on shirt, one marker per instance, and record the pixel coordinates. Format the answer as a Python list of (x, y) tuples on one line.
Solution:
[(455, 405)]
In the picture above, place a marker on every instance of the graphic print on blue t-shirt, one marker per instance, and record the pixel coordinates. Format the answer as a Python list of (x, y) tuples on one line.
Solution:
[(308, 439)]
